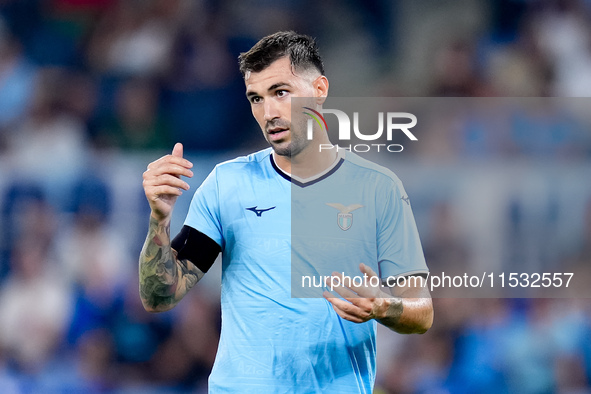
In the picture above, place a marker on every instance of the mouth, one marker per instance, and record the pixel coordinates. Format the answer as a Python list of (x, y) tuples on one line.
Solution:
[(277, 133)]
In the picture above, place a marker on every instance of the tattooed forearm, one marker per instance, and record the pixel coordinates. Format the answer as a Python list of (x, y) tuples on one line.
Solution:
[(164, 280), (190, 274), (393, 313), (408, 315)]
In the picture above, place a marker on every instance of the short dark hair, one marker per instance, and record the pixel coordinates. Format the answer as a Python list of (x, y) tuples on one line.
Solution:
[(301, 49)]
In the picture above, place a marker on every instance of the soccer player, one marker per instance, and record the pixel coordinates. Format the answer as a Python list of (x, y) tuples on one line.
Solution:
[(271, 341)]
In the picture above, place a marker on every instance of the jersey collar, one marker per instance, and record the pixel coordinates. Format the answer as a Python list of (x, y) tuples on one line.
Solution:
[(301, 182)]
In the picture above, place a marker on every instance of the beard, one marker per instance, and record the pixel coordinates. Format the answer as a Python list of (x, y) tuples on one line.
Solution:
[(282, 150), (291, 148), (297, 134)]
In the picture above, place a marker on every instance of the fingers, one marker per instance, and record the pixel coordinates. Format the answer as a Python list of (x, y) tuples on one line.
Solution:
[(347, 310), (365, 290), (347, 316), (366, 269), (177, 151), (176, 158), (163, 190), (168, 169), (165, 167), (169, 163), (165, 180), (351, 299), (162, 181), (345, 292), (360, 303)]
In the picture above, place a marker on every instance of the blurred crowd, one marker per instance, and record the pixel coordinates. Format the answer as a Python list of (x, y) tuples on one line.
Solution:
[(92, 90)]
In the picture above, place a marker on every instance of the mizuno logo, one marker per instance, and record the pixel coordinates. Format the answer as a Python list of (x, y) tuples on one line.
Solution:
[(405, 199), (259, 212)]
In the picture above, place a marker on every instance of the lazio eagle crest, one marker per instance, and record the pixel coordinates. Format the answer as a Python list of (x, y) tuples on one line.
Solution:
[(344, 217)]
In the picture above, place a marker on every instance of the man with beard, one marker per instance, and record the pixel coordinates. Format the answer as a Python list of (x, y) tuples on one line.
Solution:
[(269, 340)]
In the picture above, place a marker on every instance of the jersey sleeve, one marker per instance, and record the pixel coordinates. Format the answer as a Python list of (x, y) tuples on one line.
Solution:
[(399, 247), (204, 211)]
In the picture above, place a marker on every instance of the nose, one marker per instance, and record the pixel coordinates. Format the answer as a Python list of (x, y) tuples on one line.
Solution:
[(271, 111)]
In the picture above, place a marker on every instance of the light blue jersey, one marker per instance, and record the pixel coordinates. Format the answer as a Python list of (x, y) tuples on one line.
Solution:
[(272, 342)]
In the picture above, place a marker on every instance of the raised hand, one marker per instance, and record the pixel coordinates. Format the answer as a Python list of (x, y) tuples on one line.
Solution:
[(163, 184), (410, 311), (360, 303)]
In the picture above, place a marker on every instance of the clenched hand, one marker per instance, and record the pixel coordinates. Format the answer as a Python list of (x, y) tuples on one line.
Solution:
[(163, 184)]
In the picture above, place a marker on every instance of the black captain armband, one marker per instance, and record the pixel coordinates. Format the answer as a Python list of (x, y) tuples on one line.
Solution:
[(196, 247)]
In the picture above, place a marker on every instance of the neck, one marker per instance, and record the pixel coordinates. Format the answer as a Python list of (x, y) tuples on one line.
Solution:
[(309, 162)]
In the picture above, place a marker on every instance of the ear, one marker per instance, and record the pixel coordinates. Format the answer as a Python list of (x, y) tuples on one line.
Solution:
[(320, 89)]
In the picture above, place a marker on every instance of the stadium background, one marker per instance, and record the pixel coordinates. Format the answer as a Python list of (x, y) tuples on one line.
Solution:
[(93, 90)]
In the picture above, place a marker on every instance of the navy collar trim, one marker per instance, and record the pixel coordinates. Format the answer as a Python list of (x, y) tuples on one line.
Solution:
[(284, 175)]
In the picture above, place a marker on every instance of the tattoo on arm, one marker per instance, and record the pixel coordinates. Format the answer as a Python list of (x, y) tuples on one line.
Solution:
[(164, 279), (393, 313), (409, 311)]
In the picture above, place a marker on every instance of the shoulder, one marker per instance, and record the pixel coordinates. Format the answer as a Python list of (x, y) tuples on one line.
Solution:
[(245, 163), (372, 170), (252, 158)]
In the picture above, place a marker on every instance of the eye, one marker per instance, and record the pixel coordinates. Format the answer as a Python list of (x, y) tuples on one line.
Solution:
[(256, 99), (282, 93)]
